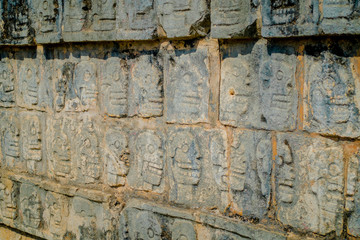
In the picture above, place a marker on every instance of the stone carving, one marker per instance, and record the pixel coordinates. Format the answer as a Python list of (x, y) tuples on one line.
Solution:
[(29, 83), (150, 161), (85, 88), (315, 201), (87, 153), (183, 18), (114, 88), (104, 15), (116, 157), (330, 88), (146, 98), (183, 230), (233, 18), (187, 88), (60, 160), (75, 12), (185, 164), (352, 196), (141, 14), (10, 141), (56, 213), (31, 132), (238, 92), (7, 79), (9, 193), (278, 91), (250, 169), (17, 21), (30, 206), (338, 9), (63, 80)]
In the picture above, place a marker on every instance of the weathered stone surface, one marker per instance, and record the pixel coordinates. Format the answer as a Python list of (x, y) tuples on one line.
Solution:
[(9, 193), (330, 105), (234, 19), (179, 19), (7, 83), (310, 183), (148, 165), (10, 140), (187, 86), (31, 198), (250, 169), (258, 87)]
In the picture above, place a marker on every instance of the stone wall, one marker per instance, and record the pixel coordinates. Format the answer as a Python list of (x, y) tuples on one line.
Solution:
[(179, 119)]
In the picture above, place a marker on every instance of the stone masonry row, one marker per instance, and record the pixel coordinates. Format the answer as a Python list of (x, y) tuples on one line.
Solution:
[(52, 21), (250, 139)]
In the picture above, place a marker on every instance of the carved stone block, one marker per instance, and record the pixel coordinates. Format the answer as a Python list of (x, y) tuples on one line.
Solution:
[(146, 91), (7, 83), (330, 105), (187, 86), (75, 13), (250, 169), (148, 165), (10, 140), (114, 83), (9, 199), (310, 183), (183, 18), (234, 18), (116, 156), (32, 145), (31, 206)]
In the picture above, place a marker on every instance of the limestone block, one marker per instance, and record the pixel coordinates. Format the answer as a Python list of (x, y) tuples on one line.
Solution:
[(46, 17), (146, 86), (148, 161), (187, 86), (7, 83), (115, 156), (10, 141), (31, 199), (258, 87), (191, 169), (310, 183), (9, 195), (330, 105), (250, 170), (114, 83), (179, 19), (234, 19), (32, 146)]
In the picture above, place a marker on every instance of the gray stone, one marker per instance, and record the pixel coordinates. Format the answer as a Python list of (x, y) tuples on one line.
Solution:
[(46, 16), (179, 19), (32, 141), (30, 206), (234, 18), (7, 83), (187, 86), (250, 171), (148, 167), (116, 156), (10, 140), (309, 183), (114, 83), (9, 194), (146, 87), (330, 105)]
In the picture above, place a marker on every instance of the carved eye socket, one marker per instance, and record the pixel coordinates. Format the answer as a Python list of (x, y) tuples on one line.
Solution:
[(266, 82), (151, 148), (117, 144), (28, 73), (185, 148), (150, 233), (279, 75), (45, 5)]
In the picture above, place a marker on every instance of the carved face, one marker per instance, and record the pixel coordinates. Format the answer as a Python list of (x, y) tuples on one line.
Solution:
[(185, 154), (61, 154), (54, 207), (218, 158), (47, 15), (11, 140), (238, 166), (6, 83), (147, 227), (263, 156), (227, 12), (331, 96), (286, 176), (9, 193), (31, 210), (118, 154), (283, 11), (277, 85), (237, 88), (150, 156), (29, 83), (32, 140), (85, 82), (141, 14)]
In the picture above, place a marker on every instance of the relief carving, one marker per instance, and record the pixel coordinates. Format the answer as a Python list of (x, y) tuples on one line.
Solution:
[(57, 210), (29, 83), (7, 79), (10, 142), (63, 78), (9, 193), (141, 14), (75, 12), (30, 206), (47, 14), (104, 15)]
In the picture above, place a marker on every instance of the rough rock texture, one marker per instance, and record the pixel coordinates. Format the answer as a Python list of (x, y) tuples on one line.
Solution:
[(179, 119)]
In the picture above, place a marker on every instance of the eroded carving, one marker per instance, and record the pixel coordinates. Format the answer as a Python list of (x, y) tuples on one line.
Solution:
[(9, 193), (10, 142), (183, 230), (56, 212), (75, 12), (30, 206), (63, 78), (7, 79), (29, 83), (219, 161), (47, 15), (104, 15), (147, 226), (116, 157), (141, 14)]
